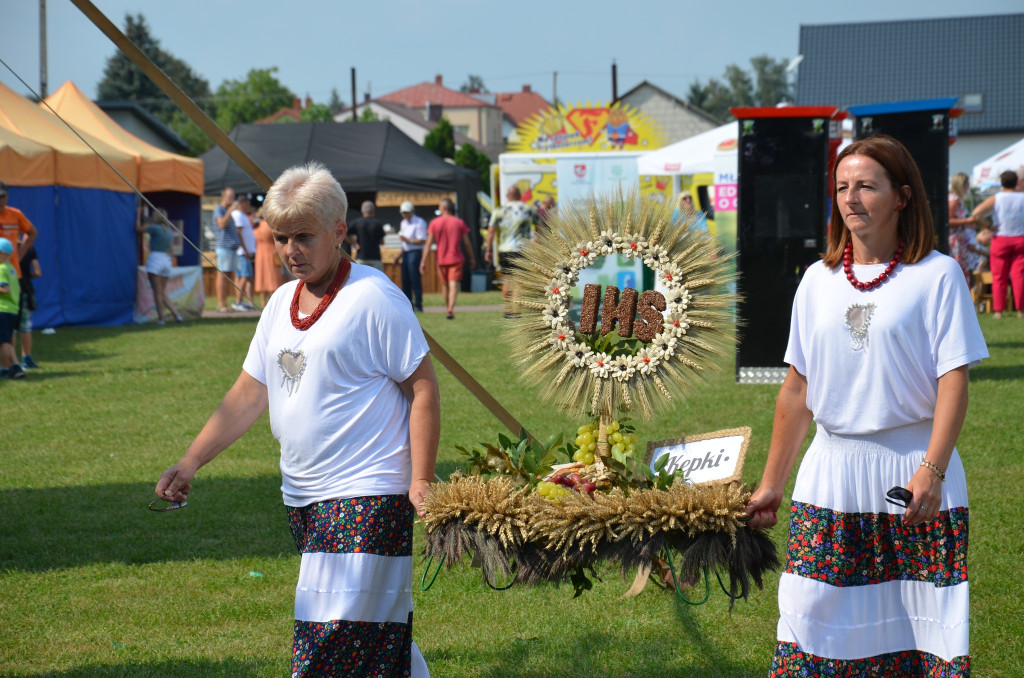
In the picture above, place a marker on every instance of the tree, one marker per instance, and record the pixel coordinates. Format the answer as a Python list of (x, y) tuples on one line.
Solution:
[(124, 81), (468, 156), (473, 83), (767, 85), (316, 113), (256, 97), (441, 139), (368, 115), (335, 104)]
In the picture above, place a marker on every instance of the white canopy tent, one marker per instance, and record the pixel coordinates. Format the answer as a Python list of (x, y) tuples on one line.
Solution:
[(986, 173), (694, 155)]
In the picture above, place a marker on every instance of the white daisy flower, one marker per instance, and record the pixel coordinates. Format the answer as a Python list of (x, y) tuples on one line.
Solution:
[(666, 345), (600, 365), (623, 367), (554, 313), (585, 252), (676, 323), (670, 274), (561, 338), (647, 359), (633, 246), (580, 354), (607, 242), (656, 256), (566, 270), (557, 289)]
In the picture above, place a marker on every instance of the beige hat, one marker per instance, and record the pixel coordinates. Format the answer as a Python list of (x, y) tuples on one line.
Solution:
[(407, 208)]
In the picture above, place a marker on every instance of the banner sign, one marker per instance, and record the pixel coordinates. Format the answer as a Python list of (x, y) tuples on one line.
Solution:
[(601, 127)]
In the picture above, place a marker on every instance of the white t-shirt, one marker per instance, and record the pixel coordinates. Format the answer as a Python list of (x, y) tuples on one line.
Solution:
[(244, 225), (414, 229), (335, 402), (873, 359), (1009, 214)]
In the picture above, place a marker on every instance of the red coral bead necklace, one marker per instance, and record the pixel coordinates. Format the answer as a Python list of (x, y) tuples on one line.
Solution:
[(344, 267), (877, 282)]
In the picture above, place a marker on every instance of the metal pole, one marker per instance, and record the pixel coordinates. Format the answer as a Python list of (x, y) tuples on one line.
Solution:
[(554, 89), (615, 82), (354, 102), (42, 49)]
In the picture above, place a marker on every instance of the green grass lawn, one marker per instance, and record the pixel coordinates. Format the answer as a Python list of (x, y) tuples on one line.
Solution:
[(92, 584)]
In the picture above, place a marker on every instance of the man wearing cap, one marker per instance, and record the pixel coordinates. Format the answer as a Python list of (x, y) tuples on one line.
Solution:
[(369, 234), (10, 292), (16, 227), (413, 234)]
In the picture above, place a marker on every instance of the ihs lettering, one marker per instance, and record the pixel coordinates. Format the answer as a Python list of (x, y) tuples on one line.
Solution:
[(623, 312)]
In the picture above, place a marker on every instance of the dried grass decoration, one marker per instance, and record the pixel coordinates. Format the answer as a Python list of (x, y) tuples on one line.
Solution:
[(650, 358), (622, 510)]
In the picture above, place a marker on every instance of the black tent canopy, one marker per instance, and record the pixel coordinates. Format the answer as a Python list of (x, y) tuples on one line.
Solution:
[(365, 157)]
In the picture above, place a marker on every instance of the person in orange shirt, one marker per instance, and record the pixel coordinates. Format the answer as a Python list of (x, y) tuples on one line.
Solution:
[(13, 223)]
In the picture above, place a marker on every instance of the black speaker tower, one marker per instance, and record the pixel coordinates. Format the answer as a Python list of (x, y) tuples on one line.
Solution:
[(926, 127), (783, 163)]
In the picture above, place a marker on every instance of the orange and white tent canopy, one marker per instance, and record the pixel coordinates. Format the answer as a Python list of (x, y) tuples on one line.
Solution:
[(158, 170), (27, 129)]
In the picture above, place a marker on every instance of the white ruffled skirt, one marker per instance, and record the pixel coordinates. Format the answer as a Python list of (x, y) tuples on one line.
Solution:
[(861, 591)]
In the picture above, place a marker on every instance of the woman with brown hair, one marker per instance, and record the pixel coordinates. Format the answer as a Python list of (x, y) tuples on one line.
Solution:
[(882, 333)]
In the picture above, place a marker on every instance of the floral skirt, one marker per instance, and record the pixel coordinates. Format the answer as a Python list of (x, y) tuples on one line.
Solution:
[(353, 602), (862, 594)]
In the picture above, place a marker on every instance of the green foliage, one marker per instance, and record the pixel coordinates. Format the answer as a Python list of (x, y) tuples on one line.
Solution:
[(198, 141), (316, 113), (441, 139), (468, 156), (335, 104), (767, 84), (610, 343), (257, 96), (368, 115), (124, 81), (474, 83), (525, 459)]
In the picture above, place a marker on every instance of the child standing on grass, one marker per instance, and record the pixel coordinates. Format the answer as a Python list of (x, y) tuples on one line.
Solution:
[(10, 292)]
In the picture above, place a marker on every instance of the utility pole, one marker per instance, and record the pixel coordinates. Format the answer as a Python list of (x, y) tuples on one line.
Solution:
[(615, 82), (354, 102), (42, 49), (554, 89)]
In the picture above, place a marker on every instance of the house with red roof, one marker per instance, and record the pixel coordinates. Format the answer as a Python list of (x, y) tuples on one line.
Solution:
[(471, 116)]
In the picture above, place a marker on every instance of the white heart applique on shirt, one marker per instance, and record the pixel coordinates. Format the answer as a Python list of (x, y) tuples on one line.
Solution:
[(292, 364), (858, 319)]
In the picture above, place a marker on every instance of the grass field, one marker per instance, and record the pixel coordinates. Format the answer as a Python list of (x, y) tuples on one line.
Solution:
[(92, 584)]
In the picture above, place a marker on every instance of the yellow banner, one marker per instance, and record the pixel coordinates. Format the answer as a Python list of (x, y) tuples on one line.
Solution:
[(590, 127)]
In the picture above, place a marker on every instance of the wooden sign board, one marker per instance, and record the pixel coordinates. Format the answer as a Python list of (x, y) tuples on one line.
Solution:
[(396, 198), (715, 457)]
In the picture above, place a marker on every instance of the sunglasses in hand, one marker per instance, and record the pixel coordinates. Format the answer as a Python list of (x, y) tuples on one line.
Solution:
[(899, 496)]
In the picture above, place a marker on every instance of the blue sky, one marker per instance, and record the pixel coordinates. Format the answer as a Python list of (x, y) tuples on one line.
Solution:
[(314, 43)]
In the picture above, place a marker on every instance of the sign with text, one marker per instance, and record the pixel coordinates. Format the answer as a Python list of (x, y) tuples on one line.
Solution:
[(715, 457)]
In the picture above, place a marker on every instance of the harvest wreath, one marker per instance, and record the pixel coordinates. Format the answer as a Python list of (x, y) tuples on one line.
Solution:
[(529, 512)]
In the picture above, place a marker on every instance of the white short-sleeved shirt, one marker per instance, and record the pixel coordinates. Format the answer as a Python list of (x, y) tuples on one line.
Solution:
[(335, 402), (873, 359), (1009, 214), (244, 224), (414, 229)]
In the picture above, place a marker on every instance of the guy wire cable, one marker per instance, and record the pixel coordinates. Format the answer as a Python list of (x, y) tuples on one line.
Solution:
[(168, 86), (152, 207)]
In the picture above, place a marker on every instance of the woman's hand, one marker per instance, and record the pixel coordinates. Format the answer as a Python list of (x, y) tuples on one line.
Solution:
[(763, 506), (176, 482), (927, 490), (418, 492)]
